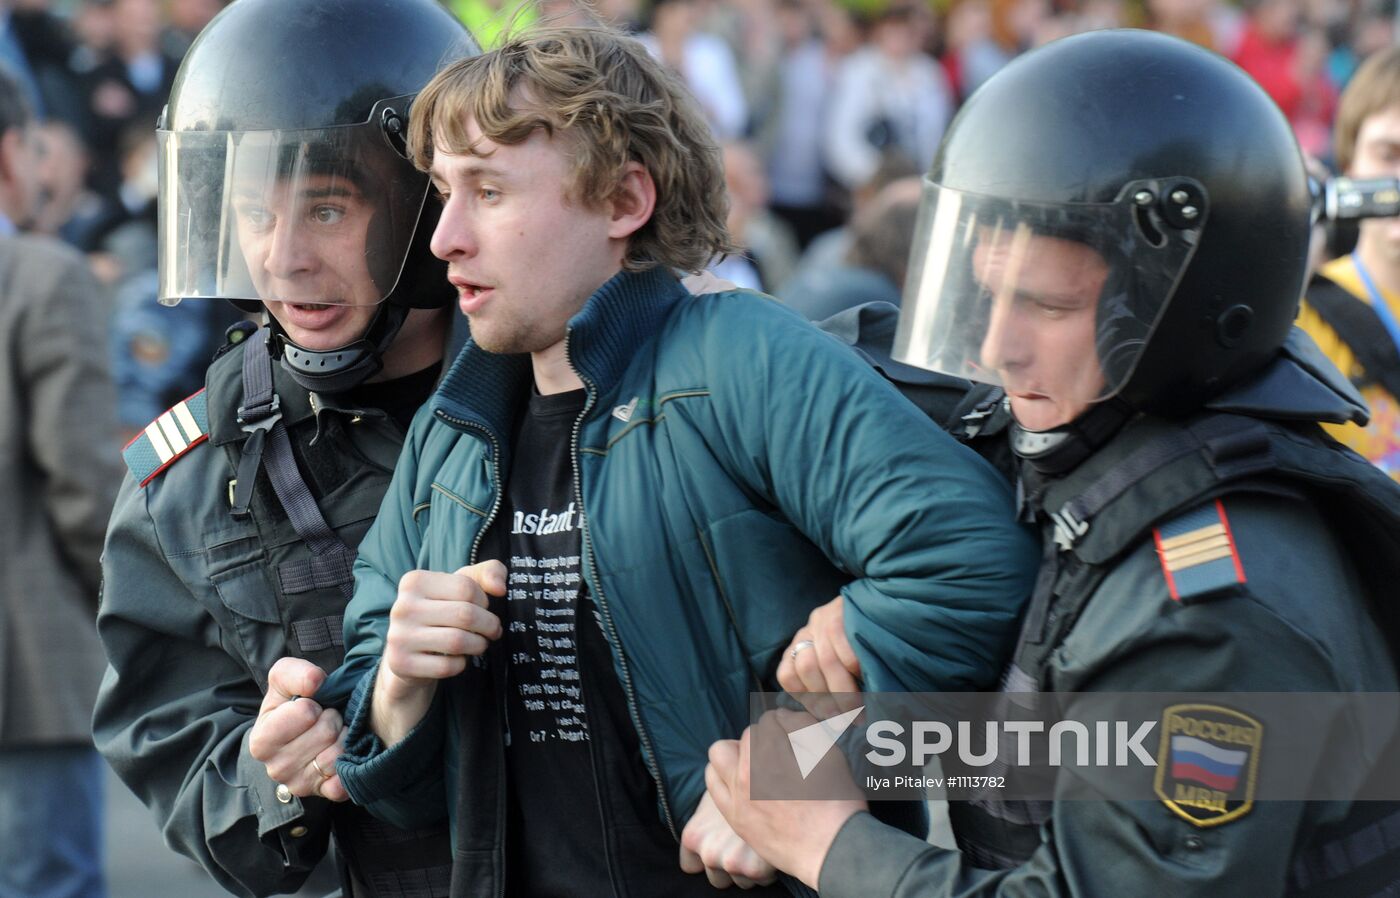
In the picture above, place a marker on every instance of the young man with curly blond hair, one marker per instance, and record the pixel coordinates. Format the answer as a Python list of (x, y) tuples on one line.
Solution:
[(624, 499)]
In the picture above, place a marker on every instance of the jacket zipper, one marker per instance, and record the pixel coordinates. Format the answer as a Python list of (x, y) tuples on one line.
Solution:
[(593, 763), (499, 489), (647, 755)]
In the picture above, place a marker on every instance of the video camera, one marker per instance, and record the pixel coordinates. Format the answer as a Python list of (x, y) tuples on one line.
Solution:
[(1345, 199)]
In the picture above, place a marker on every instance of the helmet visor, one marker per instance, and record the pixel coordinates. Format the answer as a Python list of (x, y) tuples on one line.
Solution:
[(322, 216), (1053, 303)]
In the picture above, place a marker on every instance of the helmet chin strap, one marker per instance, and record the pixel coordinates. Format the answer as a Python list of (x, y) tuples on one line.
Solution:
[(1062, 449), (336, 370)]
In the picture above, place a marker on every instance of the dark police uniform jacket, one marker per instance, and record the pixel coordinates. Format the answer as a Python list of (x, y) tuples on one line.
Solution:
[(1273, 592), (197, 605)]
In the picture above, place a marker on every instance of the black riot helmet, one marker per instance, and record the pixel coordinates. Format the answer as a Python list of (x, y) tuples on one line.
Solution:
[(1177, 174), (283, 172)]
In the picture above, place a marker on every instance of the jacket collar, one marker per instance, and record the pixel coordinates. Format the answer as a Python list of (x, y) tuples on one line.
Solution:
[(485, 389), (1300, 385)]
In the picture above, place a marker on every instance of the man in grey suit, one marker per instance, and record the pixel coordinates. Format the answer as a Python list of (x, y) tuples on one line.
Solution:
[(58, 477)]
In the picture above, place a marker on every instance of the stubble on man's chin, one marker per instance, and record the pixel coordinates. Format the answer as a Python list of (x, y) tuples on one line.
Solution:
[(495, 347), (506, 341)]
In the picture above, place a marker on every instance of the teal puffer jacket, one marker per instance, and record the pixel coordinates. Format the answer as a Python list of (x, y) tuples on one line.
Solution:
[(736, 468)]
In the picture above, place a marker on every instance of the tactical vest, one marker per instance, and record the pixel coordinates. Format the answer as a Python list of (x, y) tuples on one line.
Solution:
[(1090, 524), (375, 859)]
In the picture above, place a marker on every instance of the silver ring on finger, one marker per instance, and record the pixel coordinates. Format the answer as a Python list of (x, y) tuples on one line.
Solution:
[(804, 644), (315, 765)]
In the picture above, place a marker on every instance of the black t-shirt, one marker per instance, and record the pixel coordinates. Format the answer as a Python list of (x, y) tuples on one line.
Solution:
[(564, 703)]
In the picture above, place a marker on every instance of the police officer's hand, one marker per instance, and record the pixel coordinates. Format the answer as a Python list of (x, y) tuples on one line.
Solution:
[(438, 621), (709, 845), (294, 737), (794, 833), (820, 658)]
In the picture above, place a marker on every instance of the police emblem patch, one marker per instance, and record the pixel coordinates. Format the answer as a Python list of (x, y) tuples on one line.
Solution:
[(1208, 763)]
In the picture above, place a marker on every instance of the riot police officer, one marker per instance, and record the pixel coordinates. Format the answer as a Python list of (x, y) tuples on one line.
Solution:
[(284, 189), (1114, 234)]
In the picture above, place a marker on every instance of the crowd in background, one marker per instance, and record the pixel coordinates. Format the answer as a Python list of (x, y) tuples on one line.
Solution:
[(97, 73), (828, 111)]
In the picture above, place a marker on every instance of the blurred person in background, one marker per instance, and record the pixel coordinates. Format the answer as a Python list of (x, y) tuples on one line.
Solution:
[(971, 54), (1371, 29), (704, 61), (122, 243), (95, 30), (874, 266), (768, 250), (830, 247), (1333, 20), (1353, 304), (1375, 27), (127, 88), (67, 207), (812, 44), (754, 32), (1268, 47), (890, 96), (1288, 57), (35, 47), (1317, 96), (61, 473)]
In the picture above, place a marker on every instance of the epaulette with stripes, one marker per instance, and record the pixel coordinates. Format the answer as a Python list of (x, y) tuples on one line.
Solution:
[(168, 437), (1198, 553)]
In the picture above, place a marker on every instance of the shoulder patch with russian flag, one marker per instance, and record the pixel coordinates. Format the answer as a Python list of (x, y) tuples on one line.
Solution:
[(168, 438), (1198, 553), (1208, 763)]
